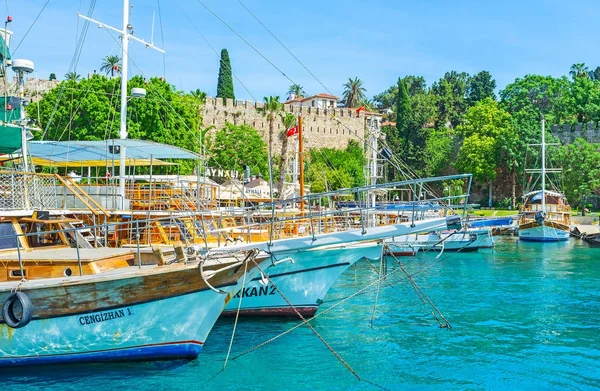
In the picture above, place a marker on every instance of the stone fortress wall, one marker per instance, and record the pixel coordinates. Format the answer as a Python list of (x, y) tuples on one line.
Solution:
[(320, 128), (35, 89), (567, 133)]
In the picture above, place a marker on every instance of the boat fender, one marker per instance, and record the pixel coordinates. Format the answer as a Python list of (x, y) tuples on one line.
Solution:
[(8, 312)]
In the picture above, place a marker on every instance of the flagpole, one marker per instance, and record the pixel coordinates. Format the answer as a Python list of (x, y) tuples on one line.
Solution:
[(300, 162)]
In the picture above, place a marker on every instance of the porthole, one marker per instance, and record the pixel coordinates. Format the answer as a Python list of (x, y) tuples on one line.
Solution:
[(68, 272)]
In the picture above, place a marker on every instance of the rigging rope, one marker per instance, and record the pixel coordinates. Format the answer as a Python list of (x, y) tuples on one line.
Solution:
[(247, 43), (304, 321), (30, 27), (212, 48), (237, 314)]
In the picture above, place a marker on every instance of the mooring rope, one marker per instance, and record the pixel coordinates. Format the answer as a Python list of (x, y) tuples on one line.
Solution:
[(422, 296), (342, 301), (308, 324), (237, 314), (381, 260)]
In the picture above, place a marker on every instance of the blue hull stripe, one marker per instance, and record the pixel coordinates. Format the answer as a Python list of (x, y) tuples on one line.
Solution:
[(171, 351), (533, 239)]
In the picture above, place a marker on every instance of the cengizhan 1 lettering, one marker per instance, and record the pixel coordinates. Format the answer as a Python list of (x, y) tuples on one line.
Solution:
[(104, 316)]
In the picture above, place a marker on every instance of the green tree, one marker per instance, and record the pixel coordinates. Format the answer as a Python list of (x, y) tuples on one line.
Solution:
[(199, 95), (297, 90), (403, 113), (579, 70), (332, 169), (52, 77), (387, 98), (89, 110), (486, 126), (477, 156), (584, 99), (354, 92), (238, 146), (479, 87), (289, 121), (450, 93), (225, 81), (111, 64), (72, 76), (438, 151), (581, 170), (527, 98), (595, 74)]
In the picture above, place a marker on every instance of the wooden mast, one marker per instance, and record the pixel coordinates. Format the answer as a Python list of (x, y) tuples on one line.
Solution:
[(300, 162)]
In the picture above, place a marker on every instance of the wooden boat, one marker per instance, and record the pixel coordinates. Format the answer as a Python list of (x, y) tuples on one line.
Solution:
[(545, 215), (128, 313)]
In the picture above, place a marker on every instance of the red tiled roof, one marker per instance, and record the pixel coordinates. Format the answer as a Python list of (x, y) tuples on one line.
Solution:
[(319, 95)]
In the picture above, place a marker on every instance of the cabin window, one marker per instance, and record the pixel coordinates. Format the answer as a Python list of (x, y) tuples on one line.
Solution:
[(68, 272), (8, 236), (17, 273)]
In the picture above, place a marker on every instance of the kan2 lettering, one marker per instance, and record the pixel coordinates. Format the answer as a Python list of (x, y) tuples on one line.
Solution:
[(254, 291)]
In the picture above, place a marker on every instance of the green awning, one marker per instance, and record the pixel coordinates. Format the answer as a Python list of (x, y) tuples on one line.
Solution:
[(4, 49), (10, 138), (10, 135)]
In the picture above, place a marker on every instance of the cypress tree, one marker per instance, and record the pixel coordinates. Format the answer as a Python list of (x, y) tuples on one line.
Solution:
[(403, 114), (225, 82)]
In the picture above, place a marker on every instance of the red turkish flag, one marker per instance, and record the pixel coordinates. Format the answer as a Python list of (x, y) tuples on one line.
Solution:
[(292, 131), (361, 108)]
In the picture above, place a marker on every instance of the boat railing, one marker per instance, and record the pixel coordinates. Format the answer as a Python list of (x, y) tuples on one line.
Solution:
[(549, 208), (197, 223)]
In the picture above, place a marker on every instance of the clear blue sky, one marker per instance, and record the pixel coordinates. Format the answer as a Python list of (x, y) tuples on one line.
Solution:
[(375, 40)]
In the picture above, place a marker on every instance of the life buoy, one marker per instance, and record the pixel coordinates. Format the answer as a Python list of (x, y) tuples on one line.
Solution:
[(8, 312)]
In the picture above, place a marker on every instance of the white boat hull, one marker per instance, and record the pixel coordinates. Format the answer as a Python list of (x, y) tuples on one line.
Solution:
[(172, 323), (303, 277), (471, 240), (543, 233)]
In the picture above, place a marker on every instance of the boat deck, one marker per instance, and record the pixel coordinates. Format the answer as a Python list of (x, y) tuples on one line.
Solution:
[(67, 254)]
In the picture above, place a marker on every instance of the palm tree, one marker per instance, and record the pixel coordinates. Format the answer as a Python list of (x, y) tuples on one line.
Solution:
[(579, 70), (110, 64), (199, 95), (297, 90), (354, 92), (289, 121), (272, 107), (72, 76), (368, 104)]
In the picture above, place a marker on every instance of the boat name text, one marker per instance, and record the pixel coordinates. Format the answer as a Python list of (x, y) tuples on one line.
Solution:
[(104, 316), (252, 291)]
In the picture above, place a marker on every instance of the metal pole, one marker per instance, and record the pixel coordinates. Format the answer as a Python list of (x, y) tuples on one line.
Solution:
[(77, 249), (300, 163), (123, 124), (543, 163), (137, 237), (19, 255)]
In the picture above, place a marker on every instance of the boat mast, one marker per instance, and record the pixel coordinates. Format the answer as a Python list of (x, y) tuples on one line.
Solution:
[(300, 162), (125, 37), (543, 163), (123, 125)]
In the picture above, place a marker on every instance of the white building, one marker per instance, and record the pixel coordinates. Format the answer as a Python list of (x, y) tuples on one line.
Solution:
[(321, 101)]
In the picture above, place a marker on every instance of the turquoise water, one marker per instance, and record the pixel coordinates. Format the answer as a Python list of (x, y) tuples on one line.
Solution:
[(524, 316)]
